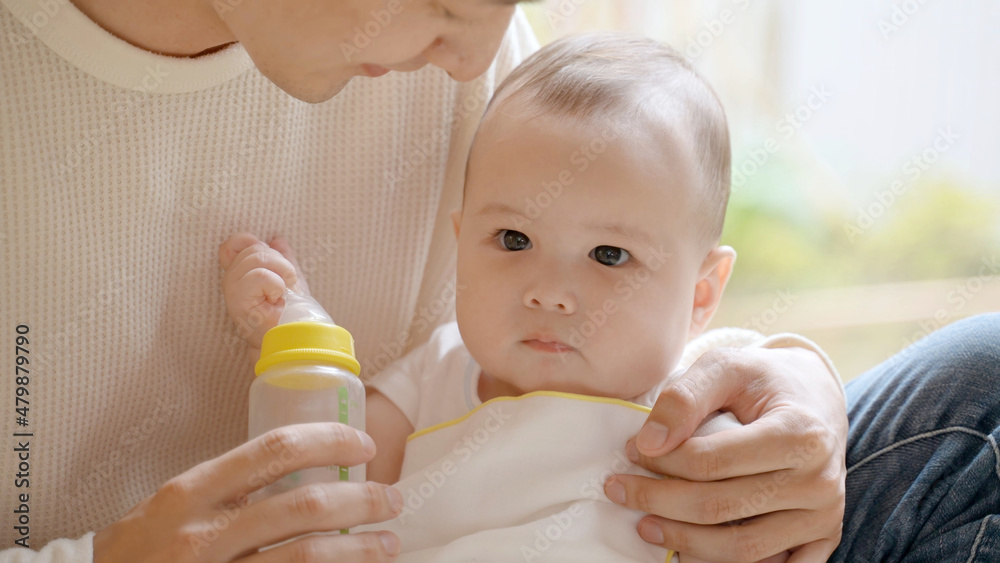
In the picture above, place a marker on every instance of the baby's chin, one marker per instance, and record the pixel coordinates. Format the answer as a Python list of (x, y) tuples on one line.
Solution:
[(512, 386)]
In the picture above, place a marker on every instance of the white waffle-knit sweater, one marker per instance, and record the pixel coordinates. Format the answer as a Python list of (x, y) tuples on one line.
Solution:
[(121, 172)]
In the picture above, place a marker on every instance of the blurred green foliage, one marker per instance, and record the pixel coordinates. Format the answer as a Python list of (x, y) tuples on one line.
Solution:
[(934, 230)]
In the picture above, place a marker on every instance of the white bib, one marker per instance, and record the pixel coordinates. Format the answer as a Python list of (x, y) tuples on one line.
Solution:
[(522, 479)]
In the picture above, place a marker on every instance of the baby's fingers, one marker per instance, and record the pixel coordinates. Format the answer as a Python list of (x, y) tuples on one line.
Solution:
[(255, 303), (260, 256), (257, 286), (229, 250), (280, 244)]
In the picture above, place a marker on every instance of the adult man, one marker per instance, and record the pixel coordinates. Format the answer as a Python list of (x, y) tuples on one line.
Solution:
[(129, 127)]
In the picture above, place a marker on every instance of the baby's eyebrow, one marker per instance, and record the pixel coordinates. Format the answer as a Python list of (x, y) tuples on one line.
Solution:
[(634, 234), (498, 208)]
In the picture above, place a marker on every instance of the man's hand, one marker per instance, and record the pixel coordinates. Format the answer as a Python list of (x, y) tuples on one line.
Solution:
[(254, 283), (747, 493), (206, 513)]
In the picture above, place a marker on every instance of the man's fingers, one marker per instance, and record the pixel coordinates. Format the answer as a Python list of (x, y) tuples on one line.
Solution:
[(718, 379), (271, 456), (750, 540), (819, 550), (772, 443), (320, 507), (708, 503), (348, 548), (235, 244)]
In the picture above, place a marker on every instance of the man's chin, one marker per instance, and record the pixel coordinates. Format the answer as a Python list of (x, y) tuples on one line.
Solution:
[(313, 93)]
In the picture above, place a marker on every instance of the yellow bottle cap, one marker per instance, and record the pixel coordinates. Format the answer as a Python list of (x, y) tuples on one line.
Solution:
[(305, 340)]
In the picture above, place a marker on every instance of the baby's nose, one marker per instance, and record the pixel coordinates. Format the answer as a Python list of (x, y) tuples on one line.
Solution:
[(550, 297)]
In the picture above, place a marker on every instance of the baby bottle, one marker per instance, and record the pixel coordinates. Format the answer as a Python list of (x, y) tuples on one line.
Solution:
[(307, 372)]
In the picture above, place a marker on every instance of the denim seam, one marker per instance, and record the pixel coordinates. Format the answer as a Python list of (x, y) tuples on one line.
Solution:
[(979, 537), (930, 434), (996, 454)]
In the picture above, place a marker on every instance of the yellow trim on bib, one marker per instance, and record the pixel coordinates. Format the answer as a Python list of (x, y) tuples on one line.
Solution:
[(670, 555), (558, 394)]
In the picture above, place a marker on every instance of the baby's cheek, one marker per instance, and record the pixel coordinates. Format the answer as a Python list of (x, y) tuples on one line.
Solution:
[(644, 358)]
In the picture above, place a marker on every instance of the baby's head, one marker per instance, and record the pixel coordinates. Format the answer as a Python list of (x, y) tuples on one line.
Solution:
[(594, 200)]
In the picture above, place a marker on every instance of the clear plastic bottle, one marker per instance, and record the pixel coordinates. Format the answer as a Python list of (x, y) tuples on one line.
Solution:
[(307, 372)]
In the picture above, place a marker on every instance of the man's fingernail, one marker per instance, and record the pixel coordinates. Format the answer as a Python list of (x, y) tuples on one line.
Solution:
[(395, 499), (615, 491), (653, 436), (390, 542), (366, 442), (651, 532), (631, 451)]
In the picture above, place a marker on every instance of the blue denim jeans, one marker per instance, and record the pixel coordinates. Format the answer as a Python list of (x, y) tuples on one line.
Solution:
[(923, 466)]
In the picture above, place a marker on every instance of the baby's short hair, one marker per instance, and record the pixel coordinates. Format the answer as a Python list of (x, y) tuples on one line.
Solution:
[(623, 77)]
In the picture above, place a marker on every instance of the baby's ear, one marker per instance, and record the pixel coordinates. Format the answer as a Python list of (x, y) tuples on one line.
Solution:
[(456, 220), (712, 278)]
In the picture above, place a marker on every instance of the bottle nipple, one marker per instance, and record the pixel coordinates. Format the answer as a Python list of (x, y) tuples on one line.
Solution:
[(300, 307)]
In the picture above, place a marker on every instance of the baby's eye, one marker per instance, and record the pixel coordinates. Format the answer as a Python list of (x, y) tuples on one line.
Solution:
[(513, 240), (610, 255)]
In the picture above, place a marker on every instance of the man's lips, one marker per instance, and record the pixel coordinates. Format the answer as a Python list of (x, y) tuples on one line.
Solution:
[(374, 71), (547, 345)]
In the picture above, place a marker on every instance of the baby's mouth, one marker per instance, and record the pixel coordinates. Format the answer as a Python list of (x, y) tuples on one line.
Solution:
[(547, 345)]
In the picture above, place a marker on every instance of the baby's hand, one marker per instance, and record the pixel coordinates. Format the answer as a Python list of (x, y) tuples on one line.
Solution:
[(254, 283)]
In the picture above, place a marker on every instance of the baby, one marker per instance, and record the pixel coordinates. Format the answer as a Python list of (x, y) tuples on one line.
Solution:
[(588, 258)]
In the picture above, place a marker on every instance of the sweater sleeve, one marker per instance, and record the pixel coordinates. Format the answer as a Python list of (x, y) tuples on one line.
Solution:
[(401, 381), (790, 340), (743, 338), (80, 550)]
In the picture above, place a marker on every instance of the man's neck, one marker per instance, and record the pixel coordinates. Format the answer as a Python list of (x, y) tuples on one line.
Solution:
[(179, 28)]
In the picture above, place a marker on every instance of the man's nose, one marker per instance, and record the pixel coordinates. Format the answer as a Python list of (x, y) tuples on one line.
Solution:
[(469, 52)]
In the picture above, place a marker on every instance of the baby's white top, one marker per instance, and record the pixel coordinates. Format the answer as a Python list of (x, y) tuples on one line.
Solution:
[(537, 463), (438, 381), (121, 172)]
